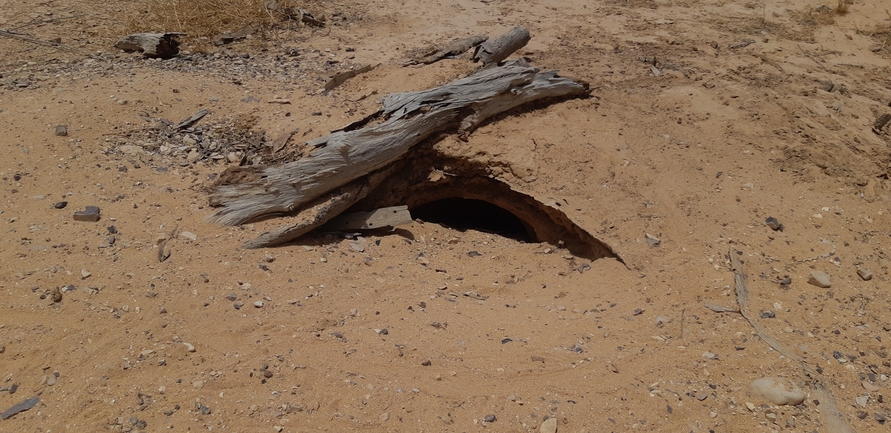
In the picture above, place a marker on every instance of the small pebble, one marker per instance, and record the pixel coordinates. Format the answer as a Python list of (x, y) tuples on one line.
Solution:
[(768, 314), (489, 418), (548, 426), (89, 214), (198, 384), (868, 386), (384, 416), (258, 304), (61, 131), (189, 347), (232, 296), (85, 273), (778, 391), (819, 279), (238, 305), (60, 205), (773, 224), (880, 418), (864, 274), (652, 241)]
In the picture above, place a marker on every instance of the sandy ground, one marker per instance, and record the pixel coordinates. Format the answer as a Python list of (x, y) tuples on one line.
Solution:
[(706, 118)]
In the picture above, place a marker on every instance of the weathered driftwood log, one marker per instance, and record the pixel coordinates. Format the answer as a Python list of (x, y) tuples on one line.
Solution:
[(496, 50), (321, 210), (163, 45), (343, 156)]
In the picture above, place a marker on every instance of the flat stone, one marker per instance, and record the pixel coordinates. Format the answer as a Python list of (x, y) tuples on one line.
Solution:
[(90, 214), (189, 235), (778, 391), (60, 205), (819, 279), (548, 426), (129, 149), (652, 241), (193, 156), (61, 130), (864, 274)]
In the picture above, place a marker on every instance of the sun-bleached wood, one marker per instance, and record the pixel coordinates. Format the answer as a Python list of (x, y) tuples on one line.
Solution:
[(409, 118)]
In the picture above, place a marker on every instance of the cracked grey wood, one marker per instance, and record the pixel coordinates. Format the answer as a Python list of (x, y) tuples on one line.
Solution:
[(409, 118)]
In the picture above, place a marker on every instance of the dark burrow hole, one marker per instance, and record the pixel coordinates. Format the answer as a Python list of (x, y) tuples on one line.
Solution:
[(469, 214)]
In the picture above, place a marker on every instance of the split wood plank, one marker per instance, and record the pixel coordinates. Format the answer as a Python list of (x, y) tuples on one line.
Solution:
[(379, 218)]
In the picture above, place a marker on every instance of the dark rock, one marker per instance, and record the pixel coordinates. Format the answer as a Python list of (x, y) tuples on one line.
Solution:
[(773, 224), (90, 214), (21, 407), (768, 314), (60, 205), (489, 418), (61, 130)]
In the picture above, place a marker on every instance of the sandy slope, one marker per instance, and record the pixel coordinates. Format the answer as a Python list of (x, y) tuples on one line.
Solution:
[(697, 155)]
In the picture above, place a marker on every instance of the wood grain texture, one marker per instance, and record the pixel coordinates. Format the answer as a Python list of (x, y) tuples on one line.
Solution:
[(409, 118)]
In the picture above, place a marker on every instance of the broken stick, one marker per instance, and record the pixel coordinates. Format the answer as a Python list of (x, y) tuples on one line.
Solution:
[(456, 48)]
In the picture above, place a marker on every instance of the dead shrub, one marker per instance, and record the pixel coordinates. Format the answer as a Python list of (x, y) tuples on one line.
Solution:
[(843, 6), (210, 18)]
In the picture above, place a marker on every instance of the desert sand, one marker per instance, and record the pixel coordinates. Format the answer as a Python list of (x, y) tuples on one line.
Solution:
[(705, 119)]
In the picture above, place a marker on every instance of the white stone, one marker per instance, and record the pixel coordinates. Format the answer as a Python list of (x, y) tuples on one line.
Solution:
[(548, 426), (819, 279), (778, 391)]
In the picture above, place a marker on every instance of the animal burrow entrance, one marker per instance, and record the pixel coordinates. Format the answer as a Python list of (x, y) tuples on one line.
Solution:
[(460, 194), (471, 214)]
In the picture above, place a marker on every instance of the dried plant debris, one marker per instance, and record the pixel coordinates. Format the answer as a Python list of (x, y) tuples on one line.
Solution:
[(231, 139)]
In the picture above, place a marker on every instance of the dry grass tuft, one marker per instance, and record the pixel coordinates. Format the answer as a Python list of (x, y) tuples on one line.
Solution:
[(843, 6), (210, 18)]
